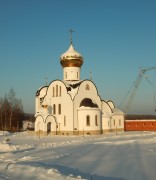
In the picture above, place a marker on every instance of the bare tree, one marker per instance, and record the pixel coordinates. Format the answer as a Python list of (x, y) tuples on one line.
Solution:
[(18, 113), (12, 101), (5, 108), (1, 102), (11, 112)]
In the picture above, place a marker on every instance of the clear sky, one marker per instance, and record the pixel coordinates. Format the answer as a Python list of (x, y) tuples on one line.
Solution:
[(115, 37)]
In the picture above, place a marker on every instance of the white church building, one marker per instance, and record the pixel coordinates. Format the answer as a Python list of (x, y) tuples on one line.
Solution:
[(73, 106)]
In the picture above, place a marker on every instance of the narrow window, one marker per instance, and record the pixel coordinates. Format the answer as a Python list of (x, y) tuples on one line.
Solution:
[(77, 75), (41, 100), (88, 120), (53, 91), (96, 120), (66, 75), (119, 122), (64, 120), (60, 92), (87, 87), (59, 108), (54, 109), (56, 90), (114, 122)]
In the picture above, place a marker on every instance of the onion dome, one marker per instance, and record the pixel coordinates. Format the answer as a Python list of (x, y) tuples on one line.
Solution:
[(71, 58)]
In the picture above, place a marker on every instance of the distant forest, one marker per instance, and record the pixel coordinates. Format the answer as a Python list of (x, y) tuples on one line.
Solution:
[(11, 113), (139, 117)]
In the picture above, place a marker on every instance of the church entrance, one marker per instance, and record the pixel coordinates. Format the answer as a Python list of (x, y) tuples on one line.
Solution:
[(48, 127)]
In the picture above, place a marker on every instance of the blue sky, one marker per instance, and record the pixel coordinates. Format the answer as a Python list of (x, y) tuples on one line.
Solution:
[(115, 37)]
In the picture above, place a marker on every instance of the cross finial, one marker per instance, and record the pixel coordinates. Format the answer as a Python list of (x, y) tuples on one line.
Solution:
[(91, 75), (71, 31), (46, 79)]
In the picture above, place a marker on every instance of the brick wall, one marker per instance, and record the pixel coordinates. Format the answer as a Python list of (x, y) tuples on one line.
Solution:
[(140, 125)]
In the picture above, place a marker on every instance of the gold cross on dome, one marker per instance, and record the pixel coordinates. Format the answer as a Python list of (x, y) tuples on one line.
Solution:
[(46, 79), (71, 31)]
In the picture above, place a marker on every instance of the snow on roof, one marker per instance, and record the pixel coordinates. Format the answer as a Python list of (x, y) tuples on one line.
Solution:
[(143, 120), (106, 114), (71, 52), (72, 87), (41, 91), (88, 107), (117, 111)]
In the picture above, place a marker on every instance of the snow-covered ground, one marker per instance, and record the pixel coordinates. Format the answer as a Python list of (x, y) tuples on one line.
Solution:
[(125, 156)]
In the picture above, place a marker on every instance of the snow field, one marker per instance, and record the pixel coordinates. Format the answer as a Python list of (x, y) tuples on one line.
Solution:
[(126, 156)]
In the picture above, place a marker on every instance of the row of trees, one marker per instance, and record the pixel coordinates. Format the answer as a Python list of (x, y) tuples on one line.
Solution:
[(11, 112)]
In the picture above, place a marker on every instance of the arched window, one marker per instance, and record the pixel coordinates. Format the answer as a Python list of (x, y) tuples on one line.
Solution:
[(66, 75), (56, 90), (54, 109), (59, 108), (60, 92), (119, 122), (87, 120), (96, 120), (77, 75), (64, 120), (87, 86), (53, 91), (48, 127)]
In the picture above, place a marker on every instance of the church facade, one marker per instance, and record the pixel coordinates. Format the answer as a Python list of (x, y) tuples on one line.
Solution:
[(73, 106)]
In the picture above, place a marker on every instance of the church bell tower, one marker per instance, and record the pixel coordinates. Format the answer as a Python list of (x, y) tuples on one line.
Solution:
[(71, 62)]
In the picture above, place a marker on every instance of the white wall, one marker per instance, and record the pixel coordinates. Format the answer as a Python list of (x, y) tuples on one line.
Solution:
[(106, 123), (64, 99), (84, 93), (92, 112), (117, 121), (71, 73), (42, 93), (39, 124)]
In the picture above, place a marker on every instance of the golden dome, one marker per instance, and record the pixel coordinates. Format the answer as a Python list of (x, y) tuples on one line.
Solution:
[(71, 58)]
